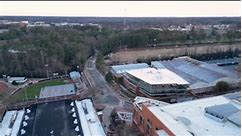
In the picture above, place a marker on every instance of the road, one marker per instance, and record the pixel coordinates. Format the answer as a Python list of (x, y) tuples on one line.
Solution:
[(97, 80), (110, 98)]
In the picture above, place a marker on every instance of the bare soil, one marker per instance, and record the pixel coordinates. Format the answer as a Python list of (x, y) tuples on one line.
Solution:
[(131, 55)]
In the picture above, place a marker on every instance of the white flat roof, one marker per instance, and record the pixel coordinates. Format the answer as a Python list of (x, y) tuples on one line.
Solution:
[(10, 115), (157, 76), (119, 69), (138, 101), (75, 74), (193, 112), (90, 123), (17, 79)]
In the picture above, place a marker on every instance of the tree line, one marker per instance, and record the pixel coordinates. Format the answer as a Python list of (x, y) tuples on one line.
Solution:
[(149, 37), (38, 51)]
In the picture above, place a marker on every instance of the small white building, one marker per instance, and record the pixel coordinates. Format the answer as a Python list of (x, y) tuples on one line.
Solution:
[(75, 76), (18, 80)]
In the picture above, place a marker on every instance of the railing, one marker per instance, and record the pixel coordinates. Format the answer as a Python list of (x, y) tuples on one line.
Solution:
[(23, 104)]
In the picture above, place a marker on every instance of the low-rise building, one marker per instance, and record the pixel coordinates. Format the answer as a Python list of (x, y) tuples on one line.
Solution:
[(90, 123), (11, 122), (152, 82), (75, 76), (218, 115), (59, 118), (17, 80)]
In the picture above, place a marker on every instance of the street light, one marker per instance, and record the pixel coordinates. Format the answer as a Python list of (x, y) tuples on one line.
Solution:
[(154, 41), (77, 67), (47, 74), (25, 93)]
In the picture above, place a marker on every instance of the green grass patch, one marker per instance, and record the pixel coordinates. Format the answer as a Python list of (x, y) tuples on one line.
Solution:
[(34, 90)]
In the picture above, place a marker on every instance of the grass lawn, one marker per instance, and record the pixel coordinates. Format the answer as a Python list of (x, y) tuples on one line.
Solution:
[(34, 90)]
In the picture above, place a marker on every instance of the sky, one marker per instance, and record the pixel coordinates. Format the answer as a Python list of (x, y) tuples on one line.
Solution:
[(121, 8)]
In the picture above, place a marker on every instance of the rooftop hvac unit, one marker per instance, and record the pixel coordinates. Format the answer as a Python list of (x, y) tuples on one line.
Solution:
[(13, 118), (84, 106)]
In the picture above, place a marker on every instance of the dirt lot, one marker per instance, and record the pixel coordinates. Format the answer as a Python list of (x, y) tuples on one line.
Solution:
[(3, 87), (134, 54)]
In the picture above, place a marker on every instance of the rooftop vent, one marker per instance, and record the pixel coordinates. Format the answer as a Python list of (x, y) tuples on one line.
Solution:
[(221, 112), (183, 120), (84, 108)]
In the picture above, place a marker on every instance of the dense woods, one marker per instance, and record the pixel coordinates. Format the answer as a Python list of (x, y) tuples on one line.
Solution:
[(32, 52), (42, 51)]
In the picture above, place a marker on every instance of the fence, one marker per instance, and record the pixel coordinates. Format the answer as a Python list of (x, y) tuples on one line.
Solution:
[(23, 104)]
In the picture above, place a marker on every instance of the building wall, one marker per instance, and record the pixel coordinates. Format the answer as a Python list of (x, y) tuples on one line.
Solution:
[(131, 86), (147, 89), (149, 119)]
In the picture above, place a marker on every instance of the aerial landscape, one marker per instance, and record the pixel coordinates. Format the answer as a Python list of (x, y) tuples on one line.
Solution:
[(120, 68)]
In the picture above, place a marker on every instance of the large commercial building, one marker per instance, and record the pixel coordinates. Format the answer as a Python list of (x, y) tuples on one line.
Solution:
[(170, 78), (59, 118), (153, 82), (201, 76), (218, 115)]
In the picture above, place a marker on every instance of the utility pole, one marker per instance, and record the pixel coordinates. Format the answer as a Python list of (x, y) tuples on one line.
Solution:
[(124, 23), (47, 73), (25, 93)]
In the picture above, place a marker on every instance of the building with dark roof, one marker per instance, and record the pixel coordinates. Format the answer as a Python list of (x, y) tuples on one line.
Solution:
[(59, 118), (200, 75)]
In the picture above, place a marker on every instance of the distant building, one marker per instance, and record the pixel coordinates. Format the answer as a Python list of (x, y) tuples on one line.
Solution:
[(75, 76), (151, 82), (23, 23), (218, 115), (3, 31), (17, 80), (39, 23)]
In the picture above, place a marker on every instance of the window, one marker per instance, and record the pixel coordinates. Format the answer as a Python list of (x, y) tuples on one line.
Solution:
[(141, 120), (148, 128)]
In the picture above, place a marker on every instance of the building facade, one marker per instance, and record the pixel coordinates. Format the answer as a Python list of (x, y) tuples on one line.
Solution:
[(151, 82), (197, 117)]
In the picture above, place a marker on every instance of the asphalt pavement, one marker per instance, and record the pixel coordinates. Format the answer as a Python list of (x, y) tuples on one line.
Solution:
[(97, 80), (110, 98)]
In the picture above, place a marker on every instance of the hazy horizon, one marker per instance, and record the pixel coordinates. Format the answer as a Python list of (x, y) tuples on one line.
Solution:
[(116, 16), (117, 8)]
